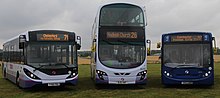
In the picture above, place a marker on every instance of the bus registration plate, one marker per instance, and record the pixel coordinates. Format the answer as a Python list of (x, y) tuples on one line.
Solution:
[(186, 82), (121, 82), (53, 84)]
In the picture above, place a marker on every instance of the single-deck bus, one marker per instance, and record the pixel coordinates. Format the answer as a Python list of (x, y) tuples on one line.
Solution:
[(187, 58), (41, 57), (119, 45)]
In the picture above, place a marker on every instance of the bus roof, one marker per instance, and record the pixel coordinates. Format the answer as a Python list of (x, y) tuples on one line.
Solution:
[(171, 33), (121, 2)]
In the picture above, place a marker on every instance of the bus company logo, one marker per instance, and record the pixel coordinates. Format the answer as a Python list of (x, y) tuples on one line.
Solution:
[(122, 79), (187, 72), (11, 66), (54, 72)]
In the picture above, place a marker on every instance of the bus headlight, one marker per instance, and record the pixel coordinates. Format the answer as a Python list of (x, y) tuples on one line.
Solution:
[(210, 68), (74, 74), (30, 74), (101, 74), (168, 74), (206, 74)]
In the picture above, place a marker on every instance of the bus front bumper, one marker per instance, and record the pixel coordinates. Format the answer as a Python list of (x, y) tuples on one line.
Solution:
[(28, 83)]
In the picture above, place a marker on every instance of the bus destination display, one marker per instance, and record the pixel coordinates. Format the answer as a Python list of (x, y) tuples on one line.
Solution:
[(52, 37), (178, 38), (125, 35)]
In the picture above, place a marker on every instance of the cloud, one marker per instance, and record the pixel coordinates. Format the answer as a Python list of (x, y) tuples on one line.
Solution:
[(17, 16), (174, 15)]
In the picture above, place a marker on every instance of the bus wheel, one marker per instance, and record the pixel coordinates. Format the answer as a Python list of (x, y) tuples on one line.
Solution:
[(4, 73), (91, 73), (17, 80)]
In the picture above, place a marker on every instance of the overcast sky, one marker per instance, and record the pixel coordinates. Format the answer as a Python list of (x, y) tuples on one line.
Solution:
[(163, 16)]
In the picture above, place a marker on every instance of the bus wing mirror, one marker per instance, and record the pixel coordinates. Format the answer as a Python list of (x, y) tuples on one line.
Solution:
[(22, 40), (149, 47), (93, 48), (159, 45), (215, 48), (78, 45), (148, 51)]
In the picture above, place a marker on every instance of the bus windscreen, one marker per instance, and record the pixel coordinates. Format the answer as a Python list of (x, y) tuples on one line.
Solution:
[(183, 55)]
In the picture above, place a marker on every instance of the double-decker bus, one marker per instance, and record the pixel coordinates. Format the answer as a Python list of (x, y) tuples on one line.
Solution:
[(41, 57), (119, 45), (187, 58)]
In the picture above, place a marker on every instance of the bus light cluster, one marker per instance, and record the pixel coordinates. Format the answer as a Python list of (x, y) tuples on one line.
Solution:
[(101, 74), (142, 74), (208, 73), (72, 73), (30, 74), (167, 74)]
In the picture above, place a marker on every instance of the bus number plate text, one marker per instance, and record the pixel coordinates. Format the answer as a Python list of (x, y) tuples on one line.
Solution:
[(53, 84), (121, 82), (186, 82)]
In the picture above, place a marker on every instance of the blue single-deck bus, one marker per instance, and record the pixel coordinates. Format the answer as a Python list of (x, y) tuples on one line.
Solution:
[(187, 58)]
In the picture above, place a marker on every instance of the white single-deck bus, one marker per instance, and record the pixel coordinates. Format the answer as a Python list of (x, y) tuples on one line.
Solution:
[(119, 45), (43, 57)]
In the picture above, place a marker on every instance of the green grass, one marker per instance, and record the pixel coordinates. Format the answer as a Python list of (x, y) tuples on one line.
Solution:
[(86, 88)]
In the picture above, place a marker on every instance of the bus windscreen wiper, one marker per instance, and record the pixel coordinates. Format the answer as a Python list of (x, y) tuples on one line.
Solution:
[(107, 42), (185, 65), (129, 43), (62, 64), (39, 67)]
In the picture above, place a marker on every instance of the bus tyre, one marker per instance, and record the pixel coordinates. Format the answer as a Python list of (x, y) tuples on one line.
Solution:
[(4, 73), (91, 73), (17, 80)]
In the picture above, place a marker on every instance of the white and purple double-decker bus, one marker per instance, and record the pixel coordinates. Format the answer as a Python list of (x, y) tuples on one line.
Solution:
[(119, 44)]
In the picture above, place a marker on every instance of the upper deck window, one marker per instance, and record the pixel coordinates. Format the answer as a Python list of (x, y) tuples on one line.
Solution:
[(121, 15)]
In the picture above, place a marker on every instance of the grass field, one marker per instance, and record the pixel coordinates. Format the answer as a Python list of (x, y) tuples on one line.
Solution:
[(150, 59), (86, 88)]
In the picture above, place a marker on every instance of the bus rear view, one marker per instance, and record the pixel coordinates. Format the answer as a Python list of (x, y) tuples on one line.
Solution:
[(187, 58)]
